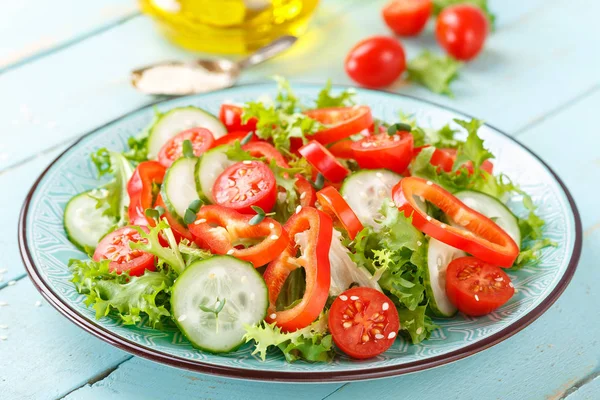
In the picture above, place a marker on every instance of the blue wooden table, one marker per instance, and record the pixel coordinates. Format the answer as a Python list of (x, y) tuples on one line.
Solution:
[(64, 70)]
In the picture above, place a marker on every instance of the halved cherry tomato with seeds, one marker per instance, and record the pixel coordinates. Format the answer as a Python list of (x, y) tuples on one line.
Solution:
[(142, 189), (384, 151), (476, 287), (225, 231), (317, 228), (363, 322), (323, 161), (201, 139), (231, 116), (340, 122), (479, 235), (332, 202), (232, 137), (246, 184), (115, 247)]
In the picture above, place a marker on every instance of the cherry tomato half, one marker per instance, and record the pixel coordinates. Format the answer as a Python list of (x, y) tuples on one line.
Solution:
[(231, 116), (232, 137), (376, 62), (363, 322), (476, 287), (384, 151), (266, 150), (200, 138), (461, 30), (407, 17), (340, 122), (115, 247), (333, 203), (323, 161), (246, 184)]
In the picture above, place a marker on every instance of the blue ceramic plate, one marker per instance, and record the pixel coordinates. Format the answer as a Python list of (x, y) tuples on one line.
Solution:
[(46, 252)]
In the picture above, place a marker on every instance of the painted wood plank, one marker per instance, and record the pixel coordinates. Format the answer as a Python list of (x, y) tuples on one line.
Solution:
[(31, 27), (17, 182), (589, 391), (124, 383), (512, 84), (43, 355)]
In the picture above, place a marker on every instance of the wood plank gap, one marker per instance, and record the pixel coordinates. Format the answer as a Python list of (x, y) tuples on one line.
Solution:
[(335, 391), (39, 154), (98, 377), (580, 383), (558, 109), (70, 42)]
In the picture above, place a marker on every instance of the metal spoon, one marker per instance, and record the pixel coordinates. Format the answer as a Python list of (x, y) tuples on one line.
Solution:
[(178, 78)]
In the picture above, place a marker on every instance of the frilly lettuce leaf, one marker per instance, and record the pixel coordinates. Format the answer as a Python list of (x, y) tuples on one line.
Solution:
[(311, 343), (416, 323)]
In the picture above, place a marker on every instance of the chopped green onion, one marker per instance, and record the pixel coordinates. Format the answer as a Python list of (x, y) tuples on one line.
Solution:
[(319, 181), (247, 138)]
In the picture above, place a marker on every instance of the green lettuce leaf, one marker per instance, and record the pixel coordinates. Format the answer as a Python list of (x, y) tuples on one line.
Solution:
[(416, 323), (434, 72), (472, 149), (150, 243), (325, 99), (311, 343), (129, 297), (190, 252)]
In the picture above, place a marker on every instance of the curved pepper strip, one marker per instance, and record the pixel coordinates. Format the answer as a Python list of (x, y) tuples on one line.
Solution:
[(219, 229), (314, 258), (480, 236), (140, 190)]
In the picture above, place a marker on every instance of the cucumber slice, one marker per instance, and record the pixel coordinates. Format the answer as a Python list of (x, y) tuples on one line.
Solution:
[(439, 255), (85, 224), (211, 165), (220, 282), (179, 187), (366, 190), (493, 209), (177, 120)]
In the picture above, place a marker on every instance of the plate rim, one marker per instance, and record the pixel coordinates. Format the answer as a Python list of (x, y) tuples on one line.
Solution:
[(281, 376)]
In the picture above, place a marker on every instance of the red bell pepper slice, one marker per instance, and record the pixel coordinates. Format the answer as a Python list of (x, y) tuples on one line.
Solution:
[(480, 236), (308, 194), (323, 161), (340, 122), (179, 231), (332, 202), (314, 258), (140, 188), (221, 230)]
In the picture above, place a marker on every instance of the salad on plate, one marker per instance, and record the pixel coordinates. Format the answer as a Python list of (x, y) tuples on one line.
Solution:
[(299, 227)]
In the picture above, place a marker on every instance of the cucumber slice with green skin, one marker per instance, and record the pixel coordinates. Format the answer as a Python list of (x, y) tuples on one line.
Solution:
[(84, 223), (366, 190), (494, 209), (215, 298), (177, 120), (211, 165), (439, 255), (179, 187)]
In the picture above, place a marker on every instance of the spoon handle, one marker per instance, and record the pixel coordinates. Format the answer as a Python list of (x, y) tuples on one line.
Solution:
[(269, 51)]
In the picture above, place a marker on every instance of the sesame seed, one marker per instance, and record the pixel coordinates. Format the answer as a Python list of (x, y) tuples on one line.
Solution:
[(38, 303), (392, 335), (3, 337), (379, 174), (298, 209), (247, 162), (443, 226), (379, 336), (343, 297), (392, 204), (429, 183), (428, 218), (12, 283), (3, 303), (385, 306), (510, 284), (419, 243), (200, 221), (274, 237), (347, 324), (419, 330), (476, 298), (500, 279), (271, 225), (230, 251), (273, 316), (182, 318), (3, 326), (353, 297), (303, 195)]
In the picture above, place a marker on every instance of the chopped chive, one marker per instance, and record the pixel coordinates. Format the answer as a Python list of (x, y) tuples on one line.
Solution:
[(151, 213), (188, 149), (247, 138), (258, 210), (319, 181), (160, 210), (189, 217), (257, 219), (398, 127), (195, 205)]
